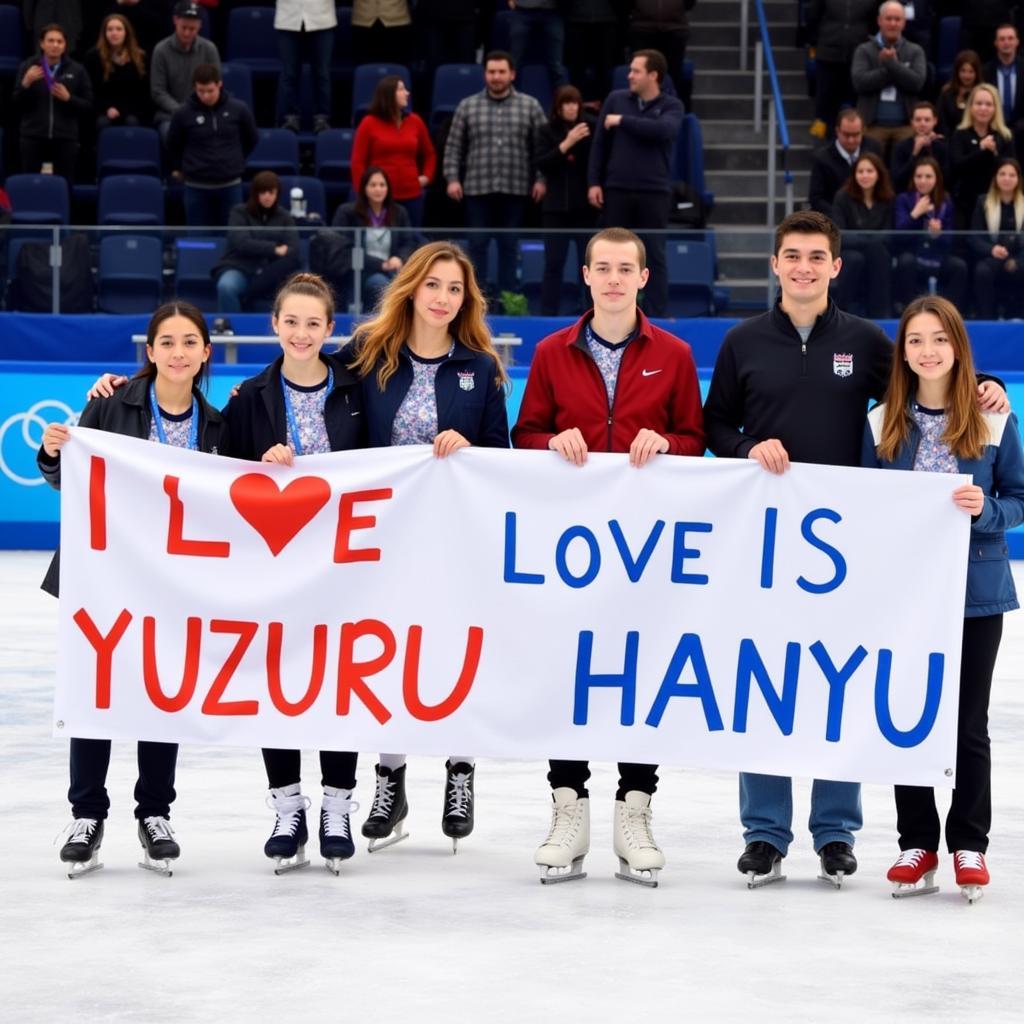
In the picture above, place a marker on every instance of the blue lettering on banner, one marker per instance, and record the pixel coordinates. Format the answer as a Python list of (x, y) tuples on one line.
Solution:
[(680, 552), (771, 519), (585, 679), (511, 574), (562, 550), (782, 706), (688, 649), (837, 680), (837, 559), (635, 566), (933, 694)]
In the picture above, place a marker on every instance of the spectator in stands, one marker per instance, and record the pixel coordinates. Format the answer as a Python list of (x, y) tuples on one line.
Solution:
[(1006, 73), (397, 140), (834, 161), (864, 204), (564, 158), (262, 250), (665, 27), (174, 64), (381, 31), (998, 221), (305, 25), (209, 139), (38, 14), (927, 211), (839, 27), (888, 72), (977, 146), (926, 141), (117, 69), (979, 20), (537, 32), (630, 170), (966, 75), (593, 45), (388, 241), (149, 19), (490, 164), (447, 32), (52, 97)]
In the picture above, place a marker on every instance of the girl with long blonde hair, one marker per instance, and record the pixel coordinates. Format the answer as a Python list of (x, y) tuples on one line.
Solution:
[(978, 144), (930, 421), (996, 240), (430, 375)]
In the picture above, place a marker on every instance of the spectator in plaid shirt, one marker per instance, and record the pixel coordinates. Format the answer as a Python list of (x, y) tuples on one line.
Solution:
[(490, 162)]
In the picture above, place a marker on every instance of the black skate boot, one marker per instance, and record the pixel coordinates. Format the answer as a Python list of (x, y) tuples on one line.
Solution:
[(85, 836), (287, 843), (837, 862), (384, 827), (335, 827), (457, 819), (761, 863), (158, 848)]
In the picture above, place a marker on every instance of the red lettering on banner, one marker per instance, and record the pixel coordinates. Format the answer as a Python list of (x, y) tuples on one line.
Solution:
[(347, 523), (276, 514), (176, 543), (410, 677), (190, 672), (213, 705), (352, 674), (275, 636), (98, 503), (104, 647)]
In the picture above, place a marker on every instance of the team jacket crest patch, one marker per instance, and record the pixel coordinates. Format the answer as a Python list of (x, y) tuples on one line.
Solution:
[(842, 364), (467, 379)]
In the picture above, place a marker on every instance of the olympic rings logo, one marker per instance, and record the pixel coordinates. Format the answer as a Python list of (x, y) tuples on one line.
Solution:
[(29, 421)]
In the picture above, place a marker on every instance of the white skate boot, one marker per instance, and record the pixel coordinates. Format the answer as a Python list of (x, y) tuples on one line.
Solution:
[(640, 857), (560, 857)]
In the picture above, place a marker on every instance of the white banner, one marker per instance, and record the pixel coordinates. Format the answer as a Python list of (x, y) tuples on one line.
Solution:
[(698, 612)]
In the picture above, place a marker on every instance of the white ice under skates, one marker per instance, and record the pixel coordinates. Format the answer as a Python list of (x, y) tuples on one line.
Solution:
[(640, 857), (560, 857)]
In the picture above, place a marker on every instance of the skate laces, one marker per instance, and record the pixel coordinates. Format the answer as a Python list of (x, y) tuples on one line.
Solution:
[(334, 815), (637, 828), (565, 823), (383, 798), (288, 809), (158, 828), (460, 797), (78, 830), (968, 860), (910, 858)]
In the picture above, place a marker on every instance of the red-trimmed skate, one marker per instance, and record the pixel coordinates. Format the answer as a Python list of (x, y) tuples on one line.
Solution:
[(911, 868), (971, 874)]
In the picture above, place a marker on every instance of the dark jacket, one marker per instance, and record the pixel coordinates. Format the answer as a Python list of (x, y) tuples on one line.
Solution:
[(927, 248), (566, 173), (902, 161), (999, 472), (852, 215), (661, 15), (43, 117), (468, 398), (333, 254), (253, 237), (258, 421), (840, 26), (210, 144), (1009, 235), (991, 74), (637, 155), (829, 172), (128, 412), (971, 167), (125, 90)]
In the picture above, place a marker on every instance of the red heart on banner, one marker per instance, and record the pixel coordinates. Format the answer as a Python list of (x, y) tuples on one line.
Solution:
[(278, 515)]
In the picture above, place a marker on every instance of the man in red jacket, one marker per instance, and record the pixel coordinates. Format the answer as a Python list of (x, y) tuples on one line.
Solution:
[(612, 382)]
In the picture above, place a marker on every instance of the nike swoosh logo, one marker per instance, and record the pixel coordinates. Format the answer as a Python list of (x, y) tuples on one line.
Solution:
[(649, 373)]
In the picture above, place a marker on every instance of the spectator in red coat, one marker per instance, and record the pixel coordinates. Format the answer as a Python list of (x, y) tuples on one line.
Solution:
[(397, 141)]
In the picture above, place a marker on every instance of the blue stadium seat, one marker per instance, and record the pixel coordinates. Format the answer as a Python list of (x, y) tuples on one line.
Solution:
[(237, 79), (332, 158), (535, 81), (10, 39), (689, 165), (38, 199), (130, 274), (691, 275), (194, 263), (277, 150), (128, 151), (946, 48), (453, 83), (364, 82), (252, 39), (135, 199), (312, 190)]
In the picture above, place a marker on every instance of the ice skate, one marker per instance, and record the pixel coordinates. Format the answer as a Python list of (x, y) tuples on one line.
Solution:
[(560, 857), (81, 850), (336, 843), (640, 858), (761, 863), (837, 863), (287, 843), (971, 874), (913, 867), (457, 819), (386, 824), (158, 848)]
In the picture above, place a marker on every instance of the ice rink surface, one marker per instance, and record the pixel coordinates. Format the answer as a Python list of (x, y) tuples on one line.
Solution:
[(414, 934)]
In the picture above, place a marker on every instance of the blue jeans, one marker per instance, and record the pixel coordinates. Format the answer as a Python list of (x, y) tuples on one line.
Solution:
[(766, 810), (209, 207), (318, 47), (547, 30), (231, 286), (495, 210)]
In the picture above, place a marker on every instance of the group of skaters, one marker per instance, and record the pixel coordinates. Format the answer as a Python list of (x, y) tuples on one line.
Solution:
[(777, 396)]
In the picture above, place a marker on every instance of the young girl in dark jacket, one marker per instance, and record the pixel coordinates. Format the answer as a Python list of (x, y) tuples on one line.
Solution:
[(161, 403)]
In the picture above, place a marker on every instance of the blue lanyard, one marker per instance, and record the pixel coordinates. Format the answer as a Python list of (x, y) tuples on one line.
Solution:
[(158, 420), (293, 426)]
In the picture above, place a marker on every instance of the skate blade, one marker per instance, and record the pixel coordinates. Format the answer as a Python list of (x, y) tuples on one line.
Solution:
[(648, 879), (287, 864), (552, 875), (455, 846), (158, 867), (87, 867), (972, 893), (333, 864), (756, 881), (904, 890), (382, 844), (836, 880)]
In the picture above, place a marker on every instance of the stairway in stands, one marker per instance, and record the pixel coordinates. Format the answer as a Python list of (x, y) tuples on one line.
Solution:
[(735, 158)]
